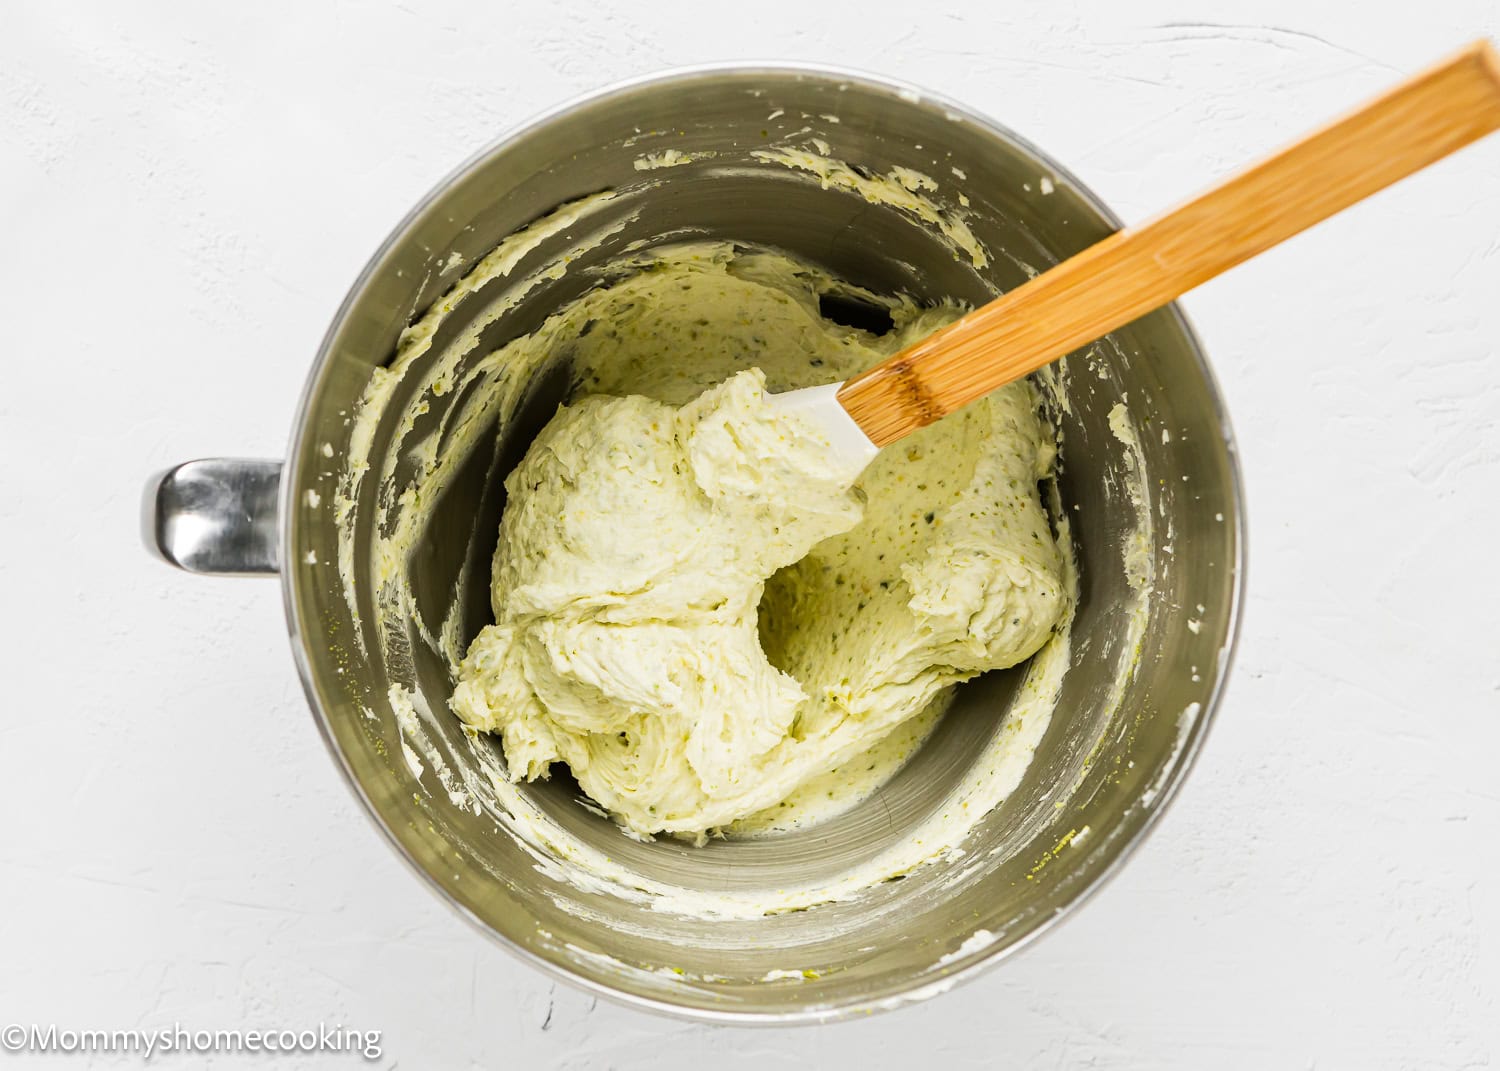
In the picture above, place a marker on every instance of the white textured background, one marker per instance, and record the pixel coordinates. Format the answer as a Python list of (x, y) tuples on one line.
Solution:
[(186, 192)]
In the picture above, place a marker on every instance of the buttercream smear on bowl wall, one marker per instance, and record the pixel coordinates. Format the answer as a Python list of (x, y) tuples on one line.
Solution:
[(940, 566), (896, 827)]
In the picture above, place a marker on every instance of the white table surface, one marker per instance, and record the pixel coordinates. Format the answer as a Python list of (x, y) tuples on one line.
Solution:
[(188, 190)]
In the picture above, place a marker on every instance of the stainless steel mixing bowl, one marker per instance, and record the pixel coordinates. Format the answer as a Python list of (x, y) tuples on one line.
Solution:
[(1128, 723)]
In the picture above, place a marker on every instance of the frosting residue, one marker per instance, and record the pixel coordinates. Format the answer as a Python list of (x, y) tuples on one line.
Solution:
[(421, 416)]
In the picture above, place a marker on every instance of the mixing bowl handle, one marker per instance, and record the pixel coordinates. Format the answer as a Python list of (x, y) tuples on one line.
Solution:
[(215, 516)]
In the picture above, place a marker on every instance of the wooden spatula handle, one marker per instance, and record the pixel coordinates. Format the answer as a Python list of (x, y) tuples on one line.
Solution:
[(1144, 267)]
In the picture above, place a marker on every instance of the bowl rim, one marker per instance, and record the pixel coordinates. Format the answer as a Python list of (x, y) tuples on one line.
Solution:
[(965, 970)]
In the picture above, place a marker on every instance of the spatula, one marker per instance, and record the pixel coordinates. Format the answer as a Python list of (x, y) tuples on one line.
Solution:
[(1142, 268)]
